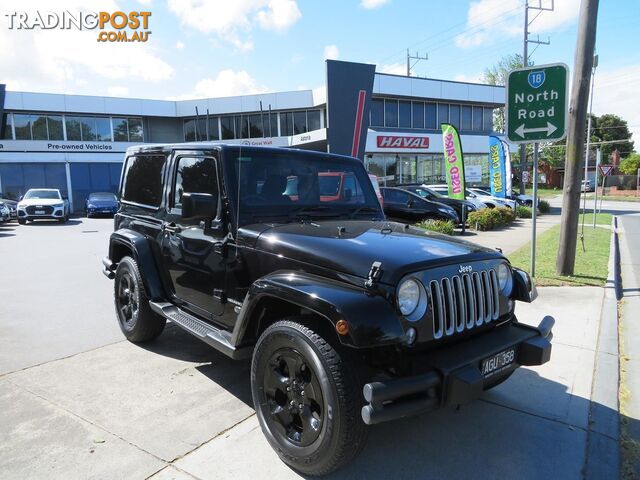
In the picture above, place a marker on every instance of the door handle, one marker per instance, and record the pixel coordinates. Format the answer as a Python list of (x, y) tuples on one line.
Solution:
[(171, 227)]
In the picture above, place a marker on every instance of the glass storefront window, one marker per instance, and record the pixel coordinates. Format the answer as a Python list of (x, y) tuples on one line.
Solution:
[(120, 130), (286, 124), (454, 115), (377, 112), (103, 130), (488, 119), (272, 125), (313, 120), (226, 123), (404, 114), (54, 124), (430, 117), (443, 114), (88, 128), (465, 121), (256, 123), (417, 114), (135, 130), (242, 126), (477, 119), (190, 130), (7, 121), (22, 126), (391, 113), (299, 122), (214, 133), (39, 127)]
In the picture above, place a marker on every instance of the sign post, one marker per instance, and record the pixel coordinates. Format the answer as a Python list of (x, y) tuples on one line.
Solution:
[(536, 110)]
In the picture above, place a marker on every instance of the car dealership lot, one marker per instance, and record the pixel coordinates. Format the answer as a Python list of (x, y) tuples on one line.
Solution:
[(77, 401)]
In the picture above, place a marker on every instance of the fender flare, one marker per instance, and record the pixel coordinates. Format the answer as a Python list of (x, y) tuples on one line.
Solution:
[(140, 246), (372, 320)]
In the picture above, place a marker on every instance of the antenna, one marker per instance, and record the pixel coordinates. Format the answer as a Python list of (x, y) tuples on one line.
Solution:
[(207, 124), (415, 57), (262, 118), (196, 123)]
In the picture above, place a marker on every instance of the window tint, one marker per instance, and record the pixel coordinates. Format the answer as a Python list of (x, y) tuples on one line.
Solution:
[(189, 130), (88, 127), (377, 112), (195, 175), (286, 124), (6, 122), (465, 121), (103, 130), (313, 120), (227, 128), (430, 120), (135, 130), (390, 113), (256, 124), (488, 119), (299, 122), (454, 115), (477, 118), (443, 113), (418, 114), (404, 112), (39, 127), (120, 130), (22, 126), (143, 178), (54, 122)]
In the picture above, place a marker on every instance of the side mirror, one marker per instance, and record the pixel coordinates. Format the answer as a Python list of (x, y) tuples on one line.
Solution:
[(348, 194), (199, 206)]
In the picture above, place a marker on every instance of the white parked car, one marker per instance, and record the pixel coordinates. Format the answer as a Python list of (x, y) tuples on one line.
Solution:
[(5, 212), (490, 200), (43, 203)]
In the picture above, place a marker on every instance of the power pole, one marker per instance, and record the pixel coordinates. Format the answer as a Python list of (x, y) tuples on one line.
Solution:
[(525, 61), (574, 161), (415, 57)]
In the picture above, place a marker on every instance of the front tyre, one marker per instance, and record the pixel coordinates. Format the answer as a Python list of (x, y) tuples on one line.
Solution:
[(137, 321), (306, 399)]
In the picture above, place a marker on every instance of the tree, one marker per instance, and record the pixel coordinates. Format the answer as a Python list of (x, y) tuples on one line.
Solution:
[(631, 164), (611, 127), (497, 75)]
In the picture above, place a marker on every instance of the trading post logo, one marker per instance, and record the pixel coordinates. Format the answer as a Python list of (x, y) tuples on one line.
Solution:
[(113, 26)]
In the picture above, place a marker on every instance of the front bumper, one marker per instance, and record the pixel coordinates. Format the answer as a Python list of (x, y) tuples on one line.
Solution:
[(454, 377)]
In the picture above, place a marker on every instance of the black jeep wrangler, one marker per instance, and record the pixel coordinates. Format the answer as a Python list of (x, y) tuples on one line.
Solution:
[(350, 319)]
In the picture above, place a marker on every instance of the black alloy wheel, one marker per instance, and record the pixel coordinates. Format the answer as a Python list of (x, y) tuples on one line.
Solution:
[(127, 300)]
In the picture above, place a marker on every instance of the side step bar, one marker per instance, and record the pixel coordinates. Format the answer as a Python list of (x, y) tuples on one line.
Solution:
[(217, 338)]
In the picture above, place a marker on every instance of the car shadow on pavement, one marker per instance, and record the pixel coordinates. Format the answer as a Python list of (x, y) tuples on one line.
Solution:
[(52, 223), (232, 375), (7, 230)]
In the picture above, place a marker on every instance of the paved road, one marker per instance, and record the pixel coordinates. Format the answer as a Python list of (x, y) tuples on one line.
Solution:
[(82, 403)]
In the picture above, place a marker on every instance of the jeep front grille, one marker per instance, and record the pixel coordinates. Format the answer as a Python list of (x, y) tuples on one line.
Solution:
[(463, 302)]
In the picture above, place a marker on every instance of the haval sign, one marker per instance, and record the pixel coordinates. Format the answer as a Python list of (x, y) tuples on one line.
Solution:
[(393, 141)]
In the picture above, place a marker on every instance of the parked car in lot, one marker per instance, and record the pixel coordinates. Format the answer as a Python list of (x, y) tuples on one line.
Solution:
[(43, 203), (405, 206), (490, 200), (444, 191), (5, 213), (433, 196), (350, 319), (586, 186), (101, 203), (12, 204)]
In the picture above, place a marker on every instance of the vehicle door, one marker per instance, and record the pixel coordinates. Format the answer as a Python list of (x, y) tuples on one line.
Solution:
[(395, 203), (192, 248)]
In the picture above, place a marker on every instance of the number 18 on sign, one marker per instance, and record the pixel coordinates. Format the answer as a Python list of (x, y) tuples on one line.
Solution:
[(537, 103)]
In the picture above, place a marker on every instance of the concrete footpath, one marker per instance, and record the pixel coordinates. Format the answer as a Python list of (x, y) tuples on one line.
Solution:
[(629, 231)]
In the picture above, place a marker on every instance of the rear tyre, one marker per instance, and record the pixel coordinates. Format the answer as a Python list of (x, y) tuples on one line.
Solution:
[(137, 321), (307, 398)]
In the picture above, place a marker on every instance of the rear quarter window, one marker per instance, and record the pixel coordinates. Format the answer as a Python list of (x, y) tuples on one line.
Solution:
[(143, 179)]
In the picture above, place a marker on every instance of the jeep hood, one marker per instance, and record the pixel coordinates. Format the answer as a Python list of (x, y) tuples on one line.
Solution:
[(351, 247)]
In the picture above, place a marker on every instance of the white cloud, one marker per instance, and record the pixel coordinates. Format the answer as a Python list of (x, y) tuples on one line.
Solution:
[(57, 59), (280, 15), (394, 68), (227, 83), (614, 91), (233, 20), (371, 4), (118, 91), (490, 20), (145, 2), (179, 45), (473, 78), (331, 52)]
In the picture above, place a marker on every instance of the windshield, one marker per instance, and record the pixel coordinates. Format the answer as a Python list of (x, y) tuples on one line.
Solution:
[(426, 192), (276, 184), (103, 197), (43, 194), (479, 191)]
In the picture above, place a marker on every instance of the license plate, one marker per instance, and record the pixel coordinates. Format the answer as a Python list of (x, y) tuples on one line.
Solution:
[(498, 362), (39, 212)]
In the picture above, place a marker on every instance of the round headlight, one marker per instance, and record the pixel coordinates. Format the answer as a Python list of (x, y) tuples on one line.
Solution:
[(505, 278), (408, 296)]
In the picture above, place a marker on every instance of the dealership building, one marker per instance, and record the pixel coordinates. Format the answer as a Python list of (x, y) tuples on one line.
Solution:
[(76, 143)]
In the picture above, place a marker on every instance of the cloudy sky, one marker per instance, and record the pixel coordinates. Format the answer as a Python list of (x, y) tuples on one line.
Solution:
[(207, 48)]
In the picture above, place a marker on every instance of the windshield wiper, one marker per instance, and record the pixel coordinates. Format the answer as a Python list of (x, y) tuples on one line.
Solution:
[(364, 209), (316, 211)]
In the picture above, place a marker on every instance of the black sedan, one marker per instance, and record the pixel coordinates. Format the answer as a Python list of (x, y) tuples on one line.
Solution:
[(433, 196), (406, 206), (101, 203)]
